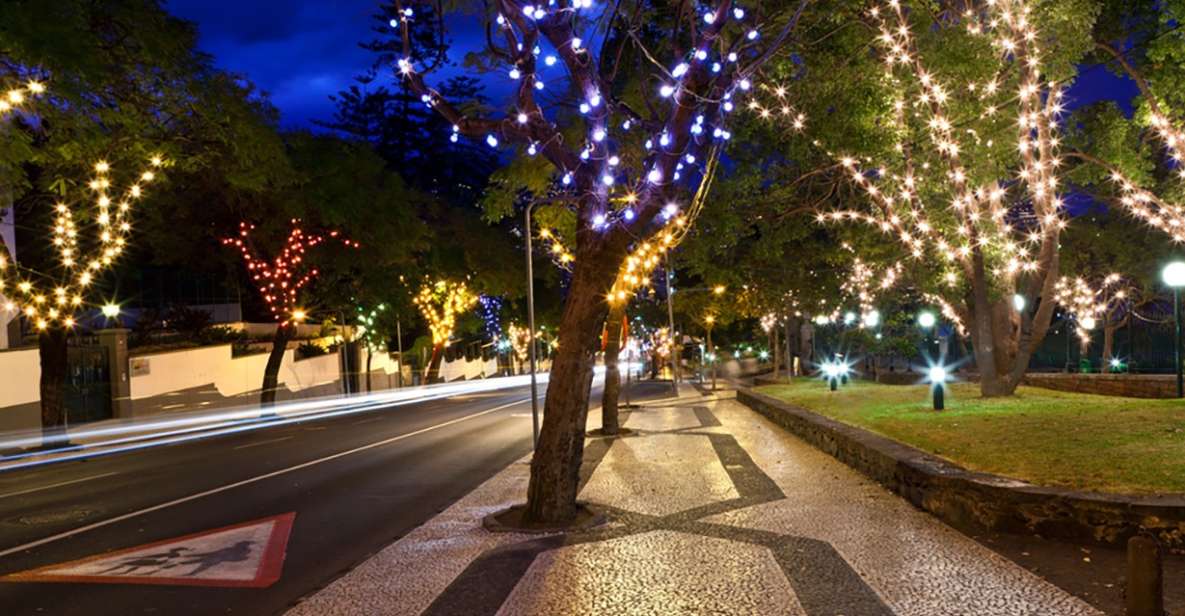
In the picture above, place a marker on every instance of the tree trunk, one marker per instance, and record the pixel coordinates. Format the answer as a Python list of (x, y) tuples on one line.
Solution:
[(773, 345), (369, 357), (51, 347), (806, 347), (432, 374), (610, 422), (271, 373), (1109, 347), (555, 467)]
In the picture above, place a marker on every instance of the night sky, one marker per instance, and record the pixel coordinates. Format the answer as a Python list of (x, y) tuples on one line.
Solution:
[(303, 52), (300, 53)]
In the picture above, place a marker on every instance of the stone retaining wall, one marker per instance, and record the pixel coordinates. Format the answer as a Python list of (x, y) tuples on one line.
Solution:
[(978, 501), (1127, 385)]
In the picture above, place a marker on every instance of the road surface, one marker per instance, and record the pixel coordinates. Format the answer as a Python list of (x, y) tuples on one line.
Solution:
[(324, 493)]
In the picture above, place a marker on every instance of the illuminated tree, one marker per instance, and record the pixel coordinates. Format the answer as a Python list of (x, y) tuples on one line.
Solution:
[(520, 343), (440, 304), (85, 242), (1107, 303), (968, 189), (281, 281), (373, 332), (643, 130)]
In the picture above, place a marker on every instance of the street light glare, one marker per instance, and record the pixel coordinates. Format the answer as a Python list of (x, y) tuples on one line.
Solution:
[(719, 290), (927, 320), (937, 374), (1173, 274)]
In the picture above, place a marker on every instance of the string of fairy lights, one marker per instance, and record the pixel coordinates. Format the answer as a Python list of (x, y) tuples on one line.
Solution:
[(1086, 304), (15, 98), (702, 86), (989, 223), (281, 278), (55, 298)]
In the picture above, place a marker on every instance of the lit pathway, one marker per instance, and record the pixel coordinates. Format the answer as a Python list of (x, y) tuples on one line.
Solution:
[(713, 511)]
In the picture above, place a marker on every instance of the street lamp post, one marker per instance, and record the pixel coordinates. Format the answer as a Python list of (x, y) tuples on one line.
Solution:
[(710, 320), (399, 347), (531, 330), (1174, 276), (676, 354)]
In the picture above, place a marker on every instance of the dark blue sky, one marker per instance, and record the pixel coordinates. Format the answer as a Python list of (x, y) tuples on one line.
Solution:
[(298, 52)]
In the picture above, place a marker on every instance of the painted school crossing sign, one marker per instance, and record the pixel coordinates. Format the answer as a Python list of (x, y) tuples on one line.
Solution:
[(247, 555)]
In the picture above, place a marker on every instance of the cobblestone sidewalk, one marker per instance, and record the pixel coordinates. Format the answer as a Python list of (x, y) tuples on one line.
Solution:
[(713, 511)]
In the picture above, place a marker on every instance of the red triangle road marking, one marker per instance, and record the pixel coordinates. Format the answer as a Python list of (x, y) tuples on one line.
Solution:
[(246, 555)]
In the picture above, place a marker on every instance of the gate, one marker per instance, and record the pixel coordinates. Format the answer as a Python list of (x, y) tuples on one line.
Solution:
[(88, 384)]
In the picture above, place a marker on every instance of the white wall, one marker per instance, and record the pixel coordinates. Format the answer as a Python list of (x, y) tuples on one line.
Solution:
[(231, 376), (21, 374)]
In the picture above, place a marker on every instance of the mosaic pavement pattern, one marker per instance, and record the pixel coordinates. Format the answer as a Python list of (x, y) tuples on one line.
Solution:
[(712, 510)]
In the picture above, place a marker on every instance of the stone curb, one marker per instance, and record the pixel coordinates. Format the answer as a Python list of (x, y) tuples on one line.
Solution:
[(976, 501)]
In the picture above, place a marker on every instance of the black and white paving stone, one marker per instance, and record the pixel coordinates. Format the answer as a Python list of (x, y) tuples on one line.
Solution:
[(712, 510)]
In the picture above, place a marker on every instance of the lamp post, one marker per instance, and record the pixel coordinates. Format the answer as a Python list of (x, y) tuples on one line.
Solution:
[(399, 347), (531, 330), (711, 320), (676, 348), (1173, 276)]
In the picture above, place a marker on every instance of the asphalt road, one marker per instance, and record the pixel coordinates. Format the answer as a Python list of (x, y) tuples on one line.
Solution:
[(355, 484)]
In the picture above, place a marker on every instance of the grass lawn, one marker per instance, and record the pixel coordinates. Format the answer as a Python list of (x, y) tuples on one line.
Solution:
[(1052, 438)]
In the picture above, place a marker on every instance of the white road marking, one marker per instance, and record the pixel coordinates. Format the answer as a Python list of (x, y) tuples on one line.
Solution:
[(58, 485), (256, 479), (272, 440)]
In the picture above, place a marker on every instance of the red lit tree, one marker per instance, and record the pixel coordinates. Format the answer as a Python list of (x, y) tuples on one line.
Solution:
[(281, 281)]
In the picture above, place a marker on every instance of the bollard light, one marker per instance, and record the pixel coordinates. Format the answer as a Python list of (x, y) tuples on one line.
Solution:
[(937, 385), (830, 372), (844, 371)]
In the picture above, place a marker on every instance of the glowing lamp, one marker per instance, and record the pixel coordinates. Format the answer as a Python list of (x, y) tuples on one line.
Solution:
[(927, 320), (1173, 274), (872, 319), (1019, 302), (938, 376), (1088, 323), (111, 311)]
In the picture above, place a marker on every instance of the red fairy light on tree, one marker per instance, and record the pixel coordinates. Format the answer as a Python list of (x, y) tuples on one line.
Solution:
[(280, 279)]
